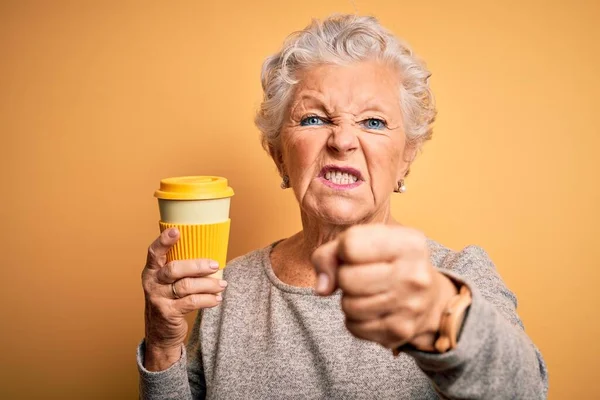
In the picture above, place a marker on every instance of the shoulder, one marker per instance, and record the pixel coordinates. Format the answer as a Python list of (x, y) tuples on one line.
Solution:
[(473, 265), (469, 258)]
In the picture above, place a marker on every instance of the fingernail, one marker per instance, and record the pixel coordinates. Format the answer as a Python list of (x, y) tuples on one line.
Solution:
[(322, 282), (219, 297), (213, 264), (223, 283), (173, 232)]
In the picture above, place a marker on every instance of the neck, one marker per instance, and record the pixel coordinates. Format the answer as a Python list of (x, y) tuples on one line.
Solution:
[(297, 268)]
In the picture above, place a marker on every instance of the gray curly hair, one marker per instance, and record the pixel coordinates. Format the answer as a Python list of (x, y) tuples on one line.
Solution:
[(341, 39)]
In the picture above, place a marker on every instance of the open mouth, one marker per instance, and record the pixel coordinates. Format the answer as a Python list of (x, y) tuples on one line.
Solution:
[(341, 176)]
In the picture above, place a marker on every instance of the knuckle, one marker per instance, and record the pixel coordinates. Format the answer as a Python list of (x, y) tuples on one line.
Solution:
[(417, 239), (151, 252), (163, 239), (402, 329), (200, 264), (194, 301), (422, 278), (185, 285), (168, 271), (388, 299), (416, 306)]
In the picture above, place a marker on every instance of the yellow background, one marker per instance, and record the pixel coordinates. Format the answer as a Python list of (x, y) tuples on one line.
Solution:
[(99, 100)]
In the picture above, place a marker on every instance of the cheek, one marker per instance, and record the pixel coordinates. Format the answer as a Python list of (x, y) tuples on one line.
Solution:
[(383, 162), (301, 152)]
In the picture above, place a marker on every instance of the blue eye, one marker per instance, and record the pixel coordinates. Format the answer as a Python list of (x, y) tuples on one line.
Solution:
[(374, 123), (311, 120)]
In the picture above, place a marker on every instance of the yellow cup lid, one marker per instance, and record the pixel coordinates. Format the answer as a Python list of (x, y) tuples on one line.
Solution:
[(193, 188)]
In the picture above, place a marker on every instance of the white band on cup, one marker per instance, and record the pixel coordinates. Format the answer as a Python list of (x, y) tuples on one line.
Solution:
[(194, 212)]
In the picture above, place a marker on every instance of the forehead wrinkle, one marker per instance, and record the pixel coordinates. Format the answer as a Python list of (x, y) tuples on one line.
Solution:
[(314, 98), (355, 102), (339, 93)]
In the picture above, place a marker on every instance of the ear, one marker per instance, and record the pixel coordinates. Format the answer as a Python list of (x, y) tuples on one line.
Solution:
[(277, 157), (409, 155)]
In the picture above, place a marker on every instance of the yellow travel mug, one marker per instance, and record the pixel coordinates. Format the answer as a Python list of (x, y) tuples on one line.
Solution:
[(199, 207)]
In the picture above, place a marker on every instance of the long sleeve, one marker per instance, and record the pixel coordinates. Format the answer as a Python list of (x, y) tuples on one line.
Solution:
[(183, 380), (494, 358)]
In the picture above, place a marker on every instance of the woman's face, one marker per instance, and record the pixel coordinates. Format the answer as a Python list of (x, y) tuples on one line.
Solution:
[(343, 142)]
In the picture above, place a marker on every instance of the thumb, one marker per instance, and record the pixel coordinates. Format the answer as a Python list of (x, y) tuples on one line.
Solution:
[(325, 260), (157, 252)]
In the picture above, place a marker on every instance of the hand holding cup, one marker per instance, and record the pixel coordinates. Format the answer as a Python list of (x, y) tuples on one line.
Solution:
[(171, 291), (184, 265)]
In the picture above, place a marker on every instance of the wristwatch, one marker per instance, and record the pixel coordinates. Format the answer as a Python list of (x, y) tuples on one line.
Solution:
[(451, 321)]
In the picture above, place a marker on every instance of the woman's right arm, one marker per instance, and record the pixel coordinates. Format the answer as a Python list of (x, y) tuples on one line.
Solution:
[(172, 290)]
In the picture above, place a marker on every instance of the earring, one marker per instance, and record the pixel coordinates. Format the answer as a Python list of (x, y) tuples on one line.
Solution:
[(401, 188), (286, 182)]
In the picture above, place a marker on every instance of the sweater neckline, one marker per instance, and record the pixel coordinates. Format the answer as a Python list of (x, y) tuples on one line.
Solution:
[(279, 284)]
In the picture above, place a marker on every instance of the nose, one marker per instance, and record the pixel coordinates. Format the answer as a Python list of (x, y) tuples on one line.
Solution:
[(343, 140)]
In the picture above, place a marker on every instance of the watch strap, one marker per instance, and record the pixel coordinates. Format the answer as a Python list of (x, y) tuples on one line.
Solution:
[(452, 320)]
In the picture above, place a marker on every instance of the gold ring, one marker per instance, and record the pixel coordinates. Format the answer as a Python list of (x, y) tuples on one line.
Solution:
[(174, 291)]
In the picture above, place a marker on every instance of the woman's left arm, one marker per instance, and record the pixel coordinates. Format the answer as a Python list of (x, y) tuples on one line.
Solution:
[(494, 358), (395, 291)]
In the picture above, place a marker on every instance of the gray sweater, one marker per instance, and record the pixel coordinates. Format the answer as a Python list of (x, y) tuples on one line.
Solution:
[(269, 340)]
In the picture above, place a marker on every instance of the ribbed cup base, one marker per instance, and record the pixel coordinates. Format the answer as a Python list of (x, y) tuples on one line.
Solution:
[(200, 241)]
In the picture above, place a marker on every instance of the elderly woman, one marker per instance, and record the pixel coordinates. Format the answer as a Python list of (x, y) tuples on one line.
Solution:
[(355, 305)]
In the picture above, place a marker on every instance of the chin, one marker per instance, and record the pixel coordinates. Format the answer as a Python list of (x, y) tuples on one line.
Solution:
[(341, 213)]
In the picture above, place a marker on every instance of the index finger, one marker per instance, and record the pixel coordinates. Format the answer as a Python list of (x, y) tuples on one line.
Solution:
[(176, 270), (157, 252), (375, 243)]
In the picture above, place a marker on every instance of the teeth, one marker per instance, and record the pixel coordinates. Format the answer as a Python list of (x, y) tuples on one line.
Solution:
[(340, 178)]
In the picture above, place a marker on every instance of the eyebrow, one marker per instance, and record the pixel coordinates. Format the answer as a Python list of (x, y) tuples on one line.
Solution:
[(371, 104)]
